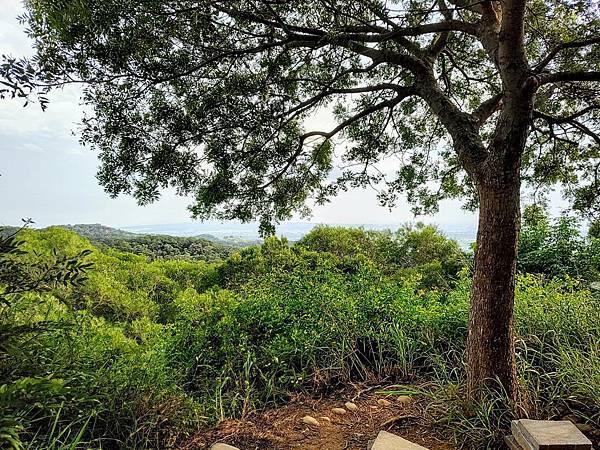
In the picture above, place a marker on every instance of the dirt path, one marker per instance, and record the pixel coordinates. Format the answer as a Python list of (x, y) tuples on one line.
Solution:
[(283, 428)]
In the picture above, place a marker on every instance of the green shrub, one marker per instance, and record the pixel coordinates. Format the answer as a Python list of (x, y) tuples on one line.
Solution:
[(419, 249), (88, 371), (555, 247), (71, 373), (123, 286), (310, 323)]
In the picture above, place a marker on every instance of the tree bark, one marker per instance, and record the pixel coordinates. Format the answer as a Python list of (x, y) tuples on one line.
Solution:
[(490, 342)]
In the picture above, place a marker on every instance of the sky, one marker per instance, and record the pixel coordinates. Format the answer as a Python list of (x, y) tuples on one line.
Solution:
[(46, 175)]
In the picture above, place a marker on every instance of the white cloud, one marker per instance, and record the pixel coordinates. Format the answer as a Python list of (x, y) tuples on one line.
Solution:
[(13, 39)]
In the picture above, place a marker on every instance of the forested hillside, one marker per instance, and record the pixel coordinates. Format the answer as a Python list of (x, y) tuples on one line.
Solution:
[(99, 233), (105, 348), (159, 246), (207, 248)]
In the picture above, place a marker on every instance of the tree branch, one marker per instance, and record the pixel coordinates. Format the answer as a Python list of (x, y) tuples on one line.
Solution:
[(487, 108), (403, 93), (440, 42), (556, 77), (560, 47), (575, 115), (511, 50), (333, 91), (570, 120), (438, 27)]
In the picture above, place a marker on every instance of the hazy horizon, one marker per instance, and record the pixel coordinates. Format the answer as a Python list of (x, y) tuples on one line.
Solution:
[(248, 232)]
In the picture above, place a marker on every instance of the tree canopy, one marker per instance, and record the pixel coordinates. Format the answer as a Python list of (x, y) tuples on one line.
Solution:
[(211, 97)]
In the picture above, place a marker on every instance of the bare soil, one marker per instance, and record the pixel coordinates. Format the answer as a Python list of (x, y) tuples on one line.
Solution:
[(282, 428)]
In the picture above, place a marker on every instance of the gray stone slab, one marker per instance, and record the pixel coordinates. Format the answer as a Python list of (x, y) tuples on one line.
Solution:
[(389, 441), (550, 435), (221, 446), (519, 437), (511, 443)]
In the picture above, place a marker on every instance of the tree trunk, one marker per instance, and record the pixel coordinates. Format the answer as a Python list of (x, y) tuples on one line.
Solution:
[(490, 343)]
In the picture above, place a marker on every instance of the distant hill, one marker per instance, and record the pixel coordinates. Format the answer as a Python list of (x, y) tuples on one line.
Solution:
[(99, 232), (162, 246), (206, 248), (7, 230), (244, 234), (236, 241)]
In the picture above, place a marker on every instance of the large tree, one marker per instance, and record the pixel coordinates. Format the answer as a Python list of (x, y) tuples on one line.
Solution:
[(467, 98)]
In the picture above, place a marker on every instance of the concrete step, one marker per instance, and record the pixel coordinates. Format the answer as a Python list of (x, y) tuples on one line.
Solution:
[(221, 446), (548, 435), (389, 441)]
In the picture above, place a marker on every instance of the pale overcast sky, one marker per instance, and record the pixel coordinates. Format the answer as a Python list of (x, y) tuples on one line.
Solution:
[(48, 176)]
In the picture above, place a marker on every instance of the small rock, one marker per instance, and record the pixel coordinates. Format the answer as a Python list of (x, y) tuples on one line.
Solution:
[(404, 399), (384, 402), (351, 406), (325, 419), (340, 411), (309, 420)]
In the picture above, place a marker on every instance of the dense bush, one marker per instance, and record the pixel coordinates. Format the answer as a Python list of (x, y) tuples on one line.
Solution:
[(295, 328), (160, 247), (86, 362), (146, 351), (313, 324), (76, 373), (419, 249), (556, 247)]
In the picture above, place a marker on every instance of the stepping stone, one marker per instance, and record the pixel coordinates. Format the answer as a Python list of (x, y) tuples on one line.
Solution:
[(404, 399), (221, 446), (549, 435), (389, 441), (310, 420), (350, 406), (519, 438)]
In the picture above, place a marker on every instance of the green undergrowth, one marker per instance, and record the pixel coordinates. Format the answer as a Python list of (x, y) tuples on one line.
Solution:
[(145, 352)]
